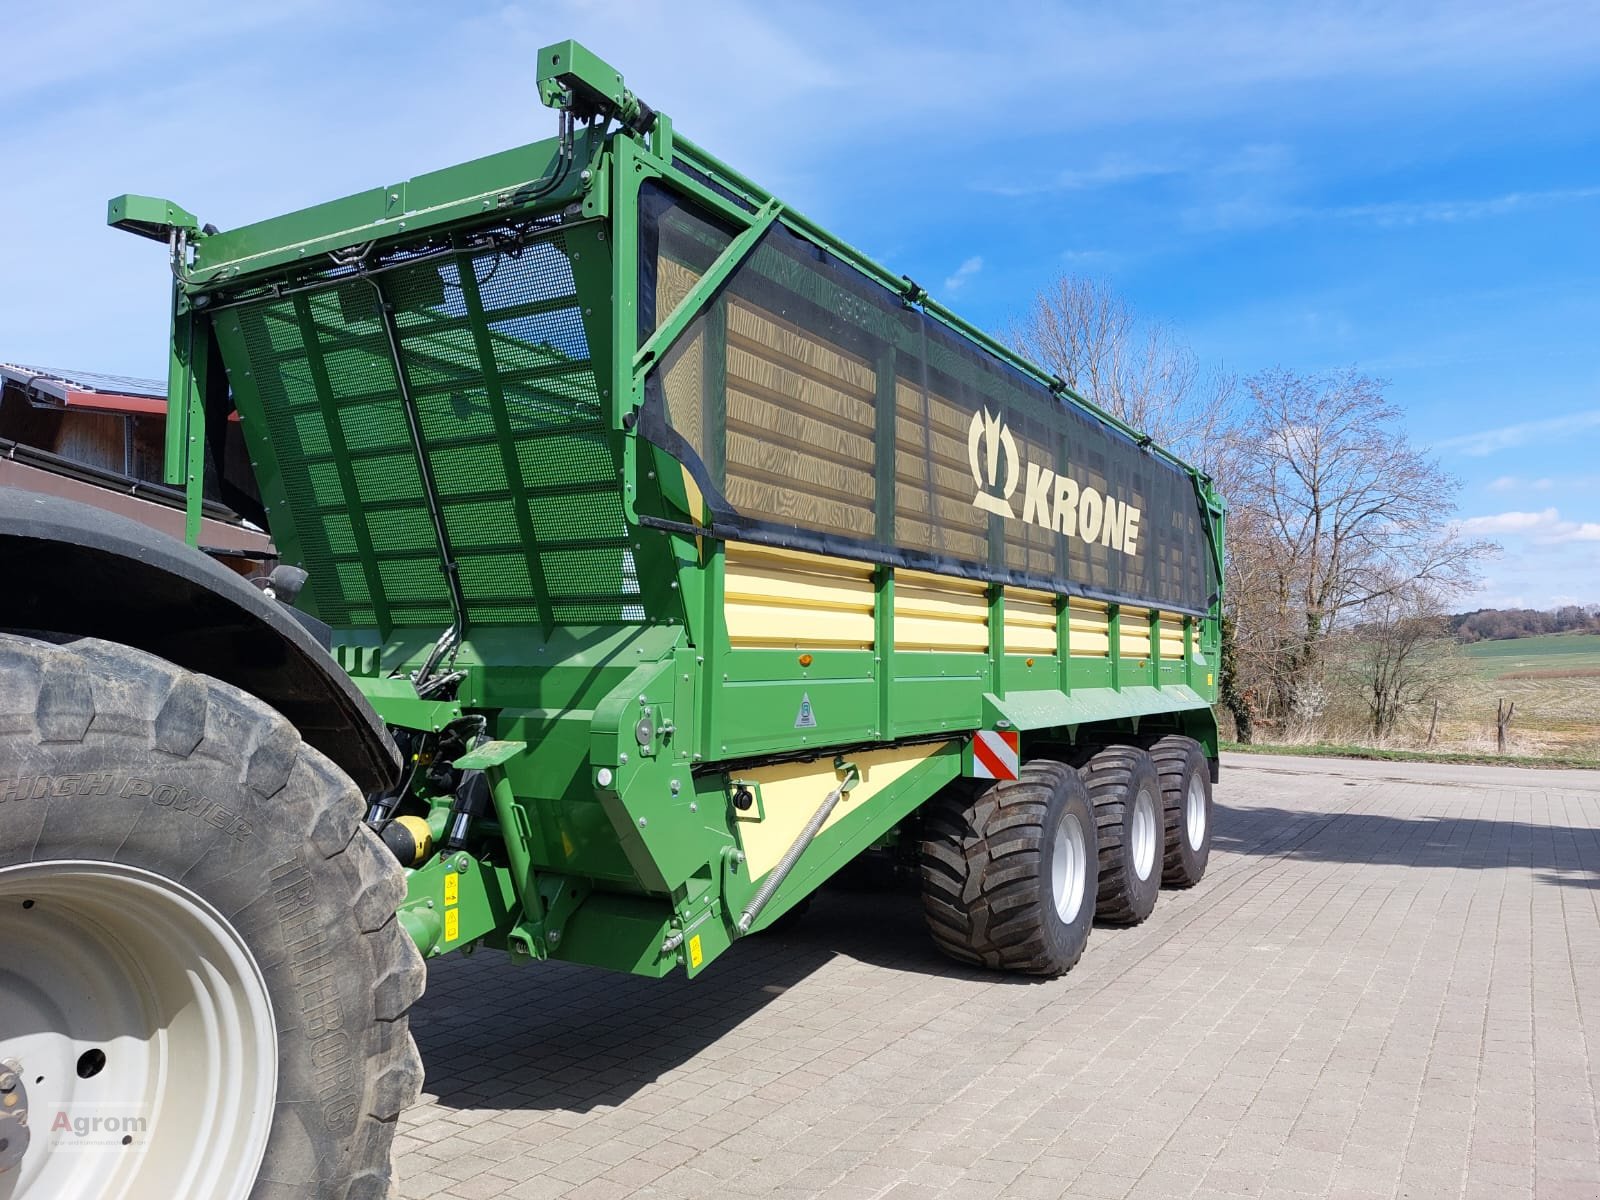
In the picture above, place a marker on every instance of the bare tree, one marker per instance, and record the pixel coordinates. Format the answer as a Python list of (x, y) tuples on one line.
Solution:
[(1138, 372), (1331, 509), (1401, 656), (1345, 511)]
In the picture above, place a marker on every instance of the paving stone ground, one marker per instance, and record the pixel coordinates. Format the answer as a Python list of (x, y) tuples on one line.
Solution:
[(1387, 985)]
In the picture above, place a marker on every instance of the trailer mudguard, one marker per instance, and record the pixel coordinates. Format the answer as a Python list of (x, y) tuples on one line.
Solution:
[(97, 574)]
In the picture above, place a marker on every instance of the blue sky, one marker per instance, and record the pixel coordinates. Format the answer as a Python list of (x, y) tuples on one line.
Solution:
[(1412, 189)]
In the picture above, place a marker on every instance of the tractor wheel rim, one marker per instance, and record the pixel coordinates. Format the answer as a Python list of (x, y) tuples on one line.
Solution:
[(1068, 868), (1144, 834), (1194, 812), (141, 1026)]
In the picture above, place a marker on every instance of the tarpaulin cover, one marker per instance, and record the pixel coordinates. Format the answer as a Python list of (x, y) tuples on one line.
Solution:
[(815, 409)]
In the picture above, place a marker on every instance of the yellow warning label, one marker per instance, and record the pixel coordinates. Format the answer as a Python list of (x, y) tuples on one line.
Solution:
[(1208, 678), (452, 888), (452, 924), (696, 957)]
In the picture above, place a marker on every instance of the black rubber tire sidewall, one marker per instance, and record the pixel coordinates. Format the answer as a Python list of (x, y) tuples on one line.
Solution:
[(986, 852), (1067, 939), (95, 741), (1178, 760), (1115, 777)]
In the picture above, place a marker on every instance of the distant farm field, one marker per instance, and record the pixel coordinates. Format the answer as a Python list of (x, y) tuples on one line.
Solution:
[(1568, 653), (1554, 680)]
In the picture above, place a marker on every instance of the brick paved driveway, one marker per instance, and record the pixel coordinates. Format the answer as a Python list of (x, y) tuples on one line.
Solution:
[(1386, 985)]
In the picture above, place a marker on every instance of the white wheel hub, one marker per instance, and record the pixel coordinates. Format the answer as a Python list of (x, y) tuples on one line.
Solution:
[(1194, 812), (139, 1023), (1068, 867), (1144, 834)]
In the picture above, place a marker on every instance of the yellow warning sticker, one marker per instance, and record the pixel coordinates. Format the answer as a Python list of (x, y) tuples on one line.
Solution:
[(452, 924), (696, 957), (452, 888), (1208, 679)]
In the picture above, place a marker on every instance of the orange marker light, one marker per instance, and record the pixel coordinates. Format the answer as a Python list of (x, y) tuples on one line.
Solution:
[(805, 660)]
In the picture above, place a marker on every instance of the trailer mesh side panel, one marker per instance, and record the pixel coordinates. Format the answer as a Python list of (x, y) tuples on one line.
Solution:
[(494, 350), (817, 410)]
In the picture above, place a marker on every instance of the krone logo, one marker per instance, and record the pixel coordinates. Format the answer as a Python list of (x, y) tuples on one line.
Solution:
[(1051, 499), (987, 438)]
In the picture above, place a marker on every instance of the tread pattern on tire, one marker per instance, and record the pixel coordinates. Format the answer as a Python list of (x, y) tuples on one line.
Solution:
[(1171, 756), (981, 861), (1107, 774), (54, 693)]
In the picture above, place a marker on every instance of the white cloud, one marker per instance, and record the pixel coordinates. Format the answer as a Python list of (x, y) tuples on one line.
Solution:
[(1515, 483), (1488, 441), (1249, 211), (1111, 171), (1511, 522), (1545, 527), (1402, 213), (958, 279)]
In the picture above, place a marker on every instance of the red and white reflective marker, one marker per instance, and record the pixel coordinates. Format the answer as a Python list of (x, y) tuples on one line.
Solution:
[(995, 753)]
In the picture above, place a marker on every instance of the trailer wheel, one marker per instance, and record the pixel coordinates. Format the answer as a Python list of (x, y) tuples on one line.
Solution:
[(1126, 793), (1186, 795), (200, 967), (1008, 874)]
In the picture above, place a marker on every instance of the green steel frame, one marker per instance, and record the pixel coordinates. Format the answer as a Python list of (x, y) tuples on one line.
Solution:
[(611, 837)]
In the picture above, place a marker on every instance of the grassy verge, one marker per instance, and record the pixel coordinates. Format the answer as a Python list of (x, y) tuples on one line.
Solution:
[(1329, 750)]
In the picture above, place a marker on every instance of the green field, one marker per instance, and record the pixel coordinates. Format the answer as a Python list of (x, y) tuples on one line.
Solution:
[(1551, 655), (1554, 680)]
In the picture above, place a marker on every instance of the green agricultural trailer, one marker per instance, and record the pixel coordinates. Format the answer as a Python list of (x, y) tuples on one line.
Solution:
[(651, 556)]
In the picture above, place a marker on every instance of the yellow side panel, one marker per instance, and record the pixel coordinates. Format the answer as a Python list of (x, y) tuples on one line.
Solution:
[(1172, 640), (792, 792), (1030, 622), (783, 599), (1089, 630), (1135, 632), (940, 612)]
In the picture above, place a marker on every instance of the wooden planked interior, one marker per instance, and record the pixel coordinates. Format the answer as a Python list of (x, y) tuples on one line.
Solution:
[(800, 424), (933, 478), (682, 384)]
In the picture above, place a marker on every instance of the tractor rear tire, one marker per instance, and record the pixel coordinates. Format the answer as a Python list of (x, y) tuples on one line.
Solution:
[(1186, 795), (197, 934), (1008, 873), (1126, 794)]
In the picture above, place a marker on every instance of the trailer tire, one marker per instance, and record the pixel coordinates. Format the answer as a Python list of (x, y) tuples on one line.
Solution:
[(153, 820), (1008, 873), (1186, 797), (1126, 794)]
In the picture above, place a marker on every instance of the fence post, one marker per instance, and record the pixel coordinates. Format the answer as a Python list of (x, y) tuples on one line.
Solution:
[(1502, 718)]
